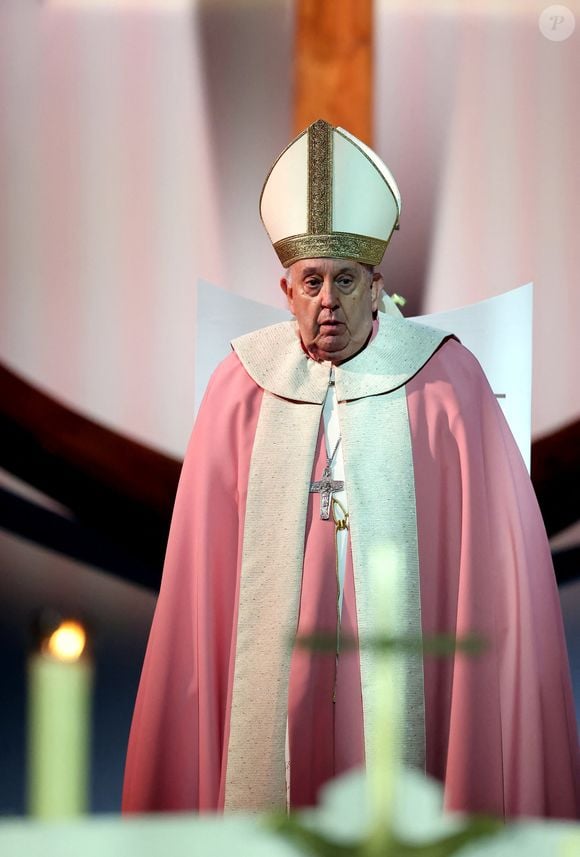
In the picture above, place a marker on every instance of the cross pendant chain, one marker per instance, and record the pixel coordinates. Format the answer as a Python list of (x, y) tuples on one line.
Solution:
[(326, 487)]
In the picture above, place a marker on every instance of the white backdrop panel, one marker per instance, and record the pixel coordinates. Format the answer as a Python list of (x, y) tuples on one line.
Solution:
[(499, 332), (222, 316)]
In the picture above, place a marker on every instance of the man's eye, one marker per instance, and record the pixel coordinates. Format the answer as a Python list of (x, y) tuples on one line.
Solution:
[(344, 281), (314, 284)]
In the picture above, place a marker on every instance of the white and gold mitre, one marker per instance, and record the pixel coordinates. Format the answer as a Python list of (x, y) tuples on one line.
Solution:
[(329, 195)]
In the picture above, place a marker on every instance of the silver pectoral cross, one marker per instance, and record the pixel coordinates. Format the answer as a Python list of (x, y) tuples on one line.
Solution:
[(326, 488)]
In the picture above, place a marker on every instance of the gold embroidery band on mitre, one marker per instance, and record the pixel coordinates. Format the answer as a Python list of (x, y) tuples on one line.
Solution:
[(337, 245), (320, 178)]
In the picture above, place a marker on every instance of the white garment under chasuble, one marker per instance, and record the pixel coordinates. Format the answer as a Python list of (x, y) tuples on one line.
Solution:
[(332, 437)]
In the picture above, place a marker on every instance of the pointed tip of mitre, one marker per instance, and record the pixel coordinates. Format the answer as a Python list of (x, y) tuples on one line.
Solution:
[(329, 194)]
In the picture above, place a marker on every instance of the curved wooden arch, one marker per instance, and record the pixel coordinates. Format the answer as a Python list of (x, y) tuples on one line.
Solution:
[(121, 492)]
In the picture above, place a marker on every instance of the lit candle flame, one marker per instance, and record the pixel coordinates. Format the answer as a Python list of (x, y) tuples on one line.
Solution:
[(67, 642)]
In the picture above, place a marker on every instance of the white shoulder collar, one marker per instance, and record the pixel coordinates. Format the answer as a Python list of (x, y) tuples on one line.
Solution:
[(275, 359)]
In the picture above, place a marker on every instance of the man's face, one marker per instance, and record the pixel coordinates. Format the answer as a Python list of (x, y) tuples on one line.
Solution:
[(333, 301)]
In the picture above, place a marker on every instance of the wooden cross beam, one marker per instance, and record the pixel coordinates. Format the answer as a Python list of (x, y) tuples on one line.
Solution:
[(333, 65)]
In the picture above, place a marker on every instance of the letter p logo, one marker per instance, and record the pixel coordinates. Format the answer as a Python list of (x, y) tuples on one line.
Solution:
[(557, 23)]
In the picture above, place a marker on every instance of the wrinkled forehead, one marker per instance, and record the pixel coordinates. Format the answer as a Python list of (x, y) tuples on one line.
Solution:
[(308, 267)]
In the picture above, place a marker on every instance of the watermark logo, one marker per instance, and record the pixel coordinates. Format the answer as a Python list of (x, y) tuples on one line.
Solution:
[(557, 23)]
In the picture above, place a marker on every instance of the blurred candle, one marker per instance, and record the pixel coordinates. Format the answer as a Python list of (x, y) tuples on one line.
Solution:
[(388, 697), (59, 711)]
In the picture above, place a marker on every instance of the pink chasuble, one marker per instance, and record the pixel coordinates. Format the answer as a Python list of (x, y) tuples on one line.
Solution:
[(500, 728), (177, 750)]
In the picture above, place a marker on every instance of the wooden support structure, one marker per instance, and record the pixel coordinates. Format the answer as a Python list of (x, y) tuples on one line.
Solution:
[(120, 490), (333, 65)]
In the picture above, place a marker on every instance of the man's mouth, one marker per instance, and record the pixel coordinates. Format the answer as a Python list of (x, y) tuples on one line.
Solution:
[(331, 325)]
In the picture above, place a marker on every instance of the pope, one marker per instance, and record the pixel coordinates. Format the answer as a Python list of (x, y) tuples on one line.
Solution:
[(323, 443)]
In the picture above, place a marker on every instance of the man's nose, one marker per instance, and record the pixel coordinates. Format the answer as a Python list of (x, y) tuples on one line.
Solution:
[(329, 294)]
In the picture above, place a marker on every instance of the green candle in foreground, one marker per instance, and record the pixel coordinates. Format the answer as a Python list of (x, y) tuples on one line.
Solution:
[(59, 709)]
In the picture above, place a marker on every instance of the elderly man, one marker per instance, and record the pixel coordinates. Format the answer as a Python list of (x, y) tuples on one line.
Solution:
[(348, 444)]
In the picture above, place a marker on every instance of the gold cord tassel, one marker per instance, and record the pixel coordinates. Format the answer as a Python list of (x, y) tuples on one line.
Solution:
[(340, 523)]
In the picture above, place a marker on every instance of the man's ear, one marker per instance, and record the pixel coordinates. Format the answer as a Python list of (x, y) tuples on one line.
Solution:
[(287, 289), (377, 286)]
